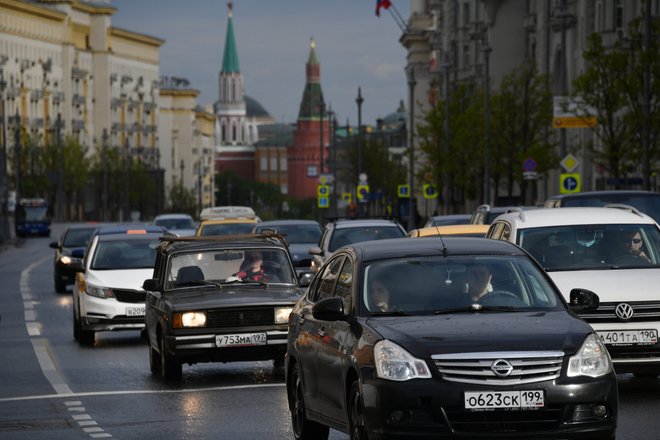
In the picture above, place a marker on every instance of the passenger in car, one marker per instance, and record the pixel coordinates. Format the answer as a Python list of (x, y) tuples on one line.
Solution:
[(478, 281), (379, 296)]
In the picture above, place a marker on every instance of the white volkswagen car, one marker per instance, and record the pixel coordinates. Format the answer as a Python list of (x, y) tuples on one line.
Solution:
[(613, 251), (108, 294)]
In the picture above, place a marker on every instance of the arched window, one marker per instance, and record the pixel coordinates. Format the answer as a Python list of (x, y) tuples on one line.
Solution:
[(233, 132), (223, 135)]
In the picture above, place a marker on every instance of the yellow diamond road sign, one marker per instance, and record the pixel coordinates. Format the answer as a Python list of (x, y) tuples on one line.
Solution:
[(569, 163)]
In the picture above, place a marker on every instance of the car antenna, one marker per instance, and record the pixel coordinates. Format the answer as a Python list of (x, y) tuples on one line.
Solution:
[(444, 246)]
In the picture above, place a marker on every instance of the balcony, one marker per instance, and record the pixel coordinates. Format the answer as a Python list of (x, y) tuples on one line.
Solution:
[(78, 100), (117, 126), (77, 73), (37, 123), (58, 97), (115, 103), (36, 95), (77, 125)]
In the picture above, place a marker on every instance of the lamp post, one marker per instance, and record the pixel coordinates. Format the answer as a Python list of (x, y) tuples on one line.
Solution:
[(646, 132), (321, 111), (104, 175), (487, 50), (60, 169), (4, 227), (359, 100), (17, 159), (332, 124), (411, 148), (563, 15), (445, 175)]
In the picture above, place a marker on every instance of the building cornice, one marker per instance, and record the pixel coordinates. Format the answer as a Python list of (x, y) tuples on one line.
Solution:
[(134, 36), (192, 93), (33, 9), (93, 9)]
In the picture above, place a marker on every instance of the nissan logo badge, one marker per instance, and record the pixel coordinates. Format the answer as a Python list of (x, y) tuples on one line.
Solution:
[(501, 368), (624, 311)]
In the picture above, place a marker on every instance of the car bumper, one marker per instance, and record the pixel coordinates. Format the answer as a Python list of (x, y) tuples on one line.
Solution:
[(108, 314), (631, 357), (435, 409), (203, 348)]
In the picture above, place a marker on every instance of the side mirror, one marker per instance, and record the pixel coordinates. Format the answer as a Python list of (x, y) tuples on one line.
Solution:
[(54, 245), (150, 285), (329, 309), (305, 279), (315, 250), (583, 301), (77, 266)]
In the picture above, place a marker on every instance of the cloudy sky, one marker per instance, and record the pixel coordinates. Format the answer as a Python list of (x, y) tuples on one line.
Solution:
[(354, 47)]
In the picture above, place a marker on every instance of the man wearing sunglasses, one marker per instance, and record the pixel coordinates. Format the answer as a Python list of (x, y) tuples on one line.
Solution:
[(635, 245)]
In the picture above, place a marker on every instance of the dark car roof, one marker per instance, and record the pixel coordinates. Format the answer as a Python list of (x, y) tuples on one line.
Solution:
[(268, 223), (175, 244), (397, 247), (123, 229), (613, 192)]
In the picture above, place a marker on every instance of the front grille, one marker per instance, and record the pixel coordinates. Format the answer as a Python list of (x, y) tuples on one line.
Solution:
[(643, 311), (476, 368), (240, 317), (130, 296), (545, 419)]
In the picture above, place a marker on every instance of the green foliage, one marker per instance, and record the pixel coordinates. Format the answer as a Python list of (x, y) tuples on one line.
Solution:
[(183, 200), (265, 198)]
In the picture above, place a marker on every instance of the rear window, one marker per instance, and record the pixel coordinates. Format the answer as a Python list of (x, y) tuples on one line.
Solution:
[(649, 204), (295, 234), (226, 229), (346, 236), (77, 237)]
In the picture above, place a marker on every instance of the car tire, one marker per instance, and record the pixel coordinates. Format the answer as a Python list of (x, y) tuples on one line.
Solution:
[(60, 287), (170, 368), (303, 429), (84, 337), (356, 425), (154, 361)]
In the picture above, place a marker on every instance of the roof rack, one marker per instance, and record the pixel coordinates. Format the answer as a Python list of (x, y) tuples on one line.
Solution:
[(520, 211), (224, 238), (624, 207)]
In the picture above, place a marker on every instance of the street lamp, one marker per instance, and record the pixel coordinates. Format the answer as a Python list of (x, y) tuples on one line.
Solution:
[(359, 100), (60, 169), (4, 227), (411, 147), (321, 111), (445, 175), (486, 50)]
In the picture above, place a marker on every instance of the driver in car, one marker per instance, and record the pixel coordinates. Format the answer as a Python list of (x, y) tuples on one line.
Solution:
[(251, 268), (478, 281)]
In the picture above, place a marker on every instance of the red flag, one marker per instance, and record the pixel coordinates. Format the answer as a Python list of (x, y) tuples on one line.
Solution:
[(384, 4)]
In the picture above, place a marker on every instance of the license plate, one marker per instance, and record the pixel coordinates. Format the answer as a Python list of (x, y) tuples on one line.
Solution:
[(240, 340), (134, 311), (504, 399), (629, 337)]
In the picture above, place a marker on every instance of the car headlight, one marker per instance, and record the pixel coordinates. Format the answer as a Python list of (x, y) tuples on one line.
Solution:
[(65, 259), (395, 363), (189, 319), (592, 359), (282, 314), (99, 292)]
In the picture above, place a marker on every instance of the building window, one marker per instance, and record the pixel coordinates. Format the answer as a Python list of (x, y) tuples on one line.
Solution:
[(234, 132), (466, 14), (223, 135), (273, 163), (283, 164), (618, 14), (599, 17), (263, 163), (284, 188), (312, 171), (466, 55)]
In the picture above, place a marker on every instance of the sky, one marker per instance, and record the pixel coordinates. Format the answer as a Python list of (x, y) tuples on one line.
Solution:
[(354, 47)]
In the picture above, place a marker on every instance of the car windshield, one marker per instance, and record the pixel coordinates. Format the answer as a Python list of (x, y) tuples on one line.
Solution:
[(436, 285), (579, 247), (345, 236), (226, 228), (77, 237), (295, 234), (128, 254), (236, 265), (175, 224)]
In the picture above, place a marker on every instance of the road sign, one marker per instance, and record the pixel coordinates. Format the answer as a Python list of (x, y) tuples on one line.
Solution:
[(323, 202), (529, 175), (347, 197), (569, 183), (529, 164), (569, 163), (362, 192), (403, 191), (430, 191), (322, 190)]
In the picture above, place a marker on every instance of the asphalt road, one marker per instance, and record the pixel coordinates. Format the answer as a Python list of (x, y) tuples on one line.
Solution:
[(51, 388)]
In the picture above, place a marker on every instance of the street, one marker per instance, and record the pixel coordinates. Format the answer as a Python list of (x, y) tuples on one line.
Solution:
[(51, 388)]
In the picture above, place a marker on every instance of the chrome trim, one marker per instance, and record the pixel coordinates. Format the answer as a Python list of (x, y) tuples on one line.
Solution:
[(635, 360), (499, 354)]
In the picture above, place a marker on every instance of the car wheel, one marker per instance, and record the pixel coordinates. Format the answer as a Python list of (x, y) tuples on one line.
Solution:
[(84, 337), (356, 428), (60, 287), (154, 361), (170, 368), (303, 429)]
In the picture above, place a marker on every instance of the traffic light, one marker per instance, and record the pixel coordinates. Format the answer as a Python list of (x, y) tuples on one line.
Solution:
[(430, 191)]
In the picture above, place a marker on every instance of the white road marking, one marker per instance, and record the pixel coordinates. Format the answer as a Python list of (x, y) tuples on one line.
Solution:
[(100, 435), (82, 417), (87, 423), (95, 429), (77, 409), (48, 367), (73, 403), (135, 392)]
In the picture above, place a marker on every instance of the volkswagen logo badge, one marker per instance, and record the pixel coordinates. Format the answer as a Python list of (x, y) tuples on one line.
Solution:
[(501, 368), (624, 311)]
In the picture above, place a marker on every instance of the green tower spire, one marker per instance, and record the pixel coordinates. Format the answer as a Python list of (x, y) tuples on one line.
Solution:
[(230, 58)]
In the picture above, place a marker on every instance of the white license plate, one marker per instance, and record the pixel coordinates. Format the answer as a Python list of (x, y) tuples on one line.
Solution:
[(504, 399), (134, 311), (240, 340), (629, 337)]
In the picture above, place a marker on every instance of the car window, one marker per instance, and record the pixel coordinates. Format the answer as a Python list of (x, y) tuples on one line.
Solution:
[(649, 205), (77, 237), (129, 254), (219, 265), (295, 234), (226, 229), (424, 285), (346, 236), (326, 284), (344, 287), (175, 224), (577, 247)]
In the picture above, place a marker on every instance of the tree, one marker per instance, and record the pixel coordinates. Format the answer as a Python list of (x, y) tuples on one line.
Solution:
[(520, 111)]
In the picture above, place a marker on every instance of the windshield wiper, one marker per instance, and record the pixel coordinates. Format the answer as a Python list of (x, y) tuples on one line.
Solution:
[(392, 313), (476, 308), (237, 280)]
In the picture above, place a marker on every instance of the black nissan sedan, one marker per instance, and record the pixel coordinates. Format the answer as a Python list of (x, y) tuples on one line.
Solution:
[(445, 338)]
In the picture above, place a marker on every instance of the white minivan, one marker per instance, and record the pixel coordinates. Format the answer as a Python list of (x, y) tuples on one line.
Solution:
[(613, 251)]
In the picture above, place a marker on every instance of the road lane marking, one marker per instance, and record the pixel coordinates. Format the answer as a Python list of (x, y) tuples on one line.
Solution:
[(100, 435), (82, 417), (136, 392), (87, 423), (48, 367), (73, 403)]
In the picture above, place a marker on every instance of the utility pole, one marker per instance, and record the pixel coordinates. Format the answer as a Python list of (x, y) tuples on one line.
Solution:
[(4, 193), (321, 111), (17, 156), (411, 147), (359, 100), (60, 170), (646, 131), (104, 175), (487, 50), (445, 174), (563, 17)]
